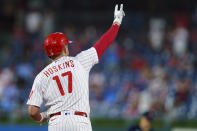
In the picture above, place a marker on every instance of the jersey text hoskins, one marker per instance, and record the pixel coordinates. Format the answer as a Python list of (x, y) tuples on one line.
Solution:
[(59, 67)]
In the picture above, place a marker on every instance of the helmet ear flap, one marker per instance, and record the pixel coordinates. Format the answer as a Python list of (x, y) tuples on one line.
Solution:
[(54, 43)]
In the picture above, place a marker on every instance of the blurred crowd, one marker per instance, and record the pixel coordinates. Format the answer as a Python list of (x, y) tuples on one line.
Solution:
[(149, 67)]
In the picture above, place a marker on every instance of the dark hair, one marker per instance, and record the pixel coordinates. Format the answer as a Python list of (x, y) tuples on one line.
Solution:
[(149, 115), (54, 56)]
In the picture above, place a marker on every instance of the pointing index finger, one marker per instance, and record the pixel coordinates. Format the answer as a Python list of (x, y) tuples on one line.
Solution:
[(121, 7)]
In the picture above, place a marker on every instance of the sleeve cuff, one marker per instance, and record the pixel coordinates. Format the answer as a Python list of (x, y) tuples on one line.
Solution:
[(34, 104)]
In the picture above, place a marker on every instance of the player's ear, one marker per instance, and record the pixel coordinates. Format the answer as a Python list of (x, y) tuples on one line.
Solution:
[(66, 51)]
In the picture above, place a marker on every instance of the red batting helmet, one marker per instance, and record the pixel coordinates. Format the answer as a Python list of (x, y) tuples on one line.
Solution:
[(54, 43)]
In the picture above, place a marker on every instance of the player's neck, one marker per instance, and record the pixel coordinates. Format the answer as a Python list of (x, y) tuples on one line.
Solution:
[(65, 52), (59, 57)]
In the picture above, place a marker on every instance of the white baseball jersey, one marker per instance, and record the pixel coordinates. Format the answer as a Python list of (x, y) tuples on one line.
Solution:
[(64, 84)]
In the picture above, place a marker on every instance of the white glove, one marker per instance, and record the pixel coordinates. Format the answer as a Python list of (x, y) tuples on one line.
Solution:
[(118, 14)]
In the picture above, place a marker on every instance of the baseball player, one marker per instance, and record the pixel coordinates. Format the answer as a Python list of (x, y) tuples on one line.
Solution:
[(63, 84)]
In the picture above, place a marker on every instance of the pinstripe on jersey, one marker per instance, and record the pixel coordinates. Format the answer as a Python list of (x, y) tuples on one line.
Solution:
[(70, 74)]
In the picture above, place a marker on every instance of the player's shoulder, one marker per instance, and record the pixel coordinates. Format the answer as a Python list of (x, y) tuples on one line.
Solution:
[(90, 50), (40, 75), (40, 79), (37, 80), (87, 52)]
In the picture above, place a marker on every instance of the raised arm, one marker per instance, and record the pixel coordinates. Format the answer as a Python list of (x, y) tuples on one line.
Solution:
[(106, 40)]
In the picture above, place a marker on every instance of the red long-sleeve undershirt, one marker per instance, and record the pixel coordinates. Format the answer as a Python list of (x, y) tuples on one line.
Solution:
[(106, 40)]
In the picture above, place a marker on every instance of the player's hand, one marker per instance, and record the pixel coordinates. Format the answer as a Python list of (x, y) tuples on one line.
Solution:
[(43, 118), (118, 15)]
